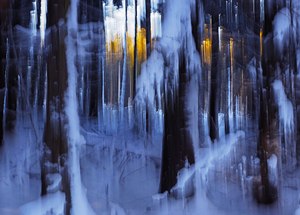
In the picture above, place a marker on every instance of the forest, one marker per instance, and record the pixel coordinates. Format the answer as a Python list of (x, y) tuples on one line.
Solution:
[(149, 107)]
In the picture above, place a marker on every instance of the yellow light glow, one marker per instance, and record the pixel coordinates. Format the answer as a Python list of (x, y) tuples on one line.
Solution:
[(261, 41), (206, 49), (231, 51), (141, 47)]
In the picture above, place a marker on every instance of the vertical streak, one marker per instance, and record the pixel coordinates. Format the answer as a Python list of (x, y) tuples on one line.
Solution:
[(43, 20), (75, 140)]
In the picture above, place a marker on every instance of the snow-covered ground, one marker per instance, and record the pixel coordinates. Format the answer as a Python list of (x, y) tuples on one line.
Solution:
[(119, 180)]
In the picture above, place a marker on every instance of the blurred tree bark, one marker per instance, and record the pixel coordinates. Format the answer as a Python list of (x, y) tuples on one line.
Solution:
[(56, 144), (177, 142), (3, 50), (92, 12)]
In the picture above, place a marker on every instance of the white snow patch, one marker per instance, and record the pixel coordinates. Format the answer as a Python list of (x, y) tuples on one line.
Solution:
[(54, 181), (286, 113), (272, 167), (298, 62), (151, 77), (43, 20), (218, 151), (49, 204), (281, 24), (184, 184), (251, 68)]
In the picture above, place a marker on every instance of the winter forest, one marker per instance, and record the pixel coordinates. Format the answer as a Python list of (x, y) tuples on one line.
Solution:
[(149, 107)]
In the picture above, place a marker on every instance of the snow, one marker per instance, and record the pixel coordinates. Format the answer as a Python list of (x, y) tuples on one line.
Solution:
[(43, 20), (272, 169), (156, 25), (54, 181), (251, 68), (117, 172), (281, 25), (79, 201), (286, 113), (115, 16), (219, 150), (50, 204), (298, 62), (287, 126), (151, 76), (176, 34), (184, 186)]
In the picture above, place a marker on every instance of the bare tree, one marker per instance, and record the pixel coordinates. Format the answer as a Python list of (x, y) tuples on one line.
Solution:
[(3, 49), (177, 142), (56, 144), (148, 27), (135, 50)]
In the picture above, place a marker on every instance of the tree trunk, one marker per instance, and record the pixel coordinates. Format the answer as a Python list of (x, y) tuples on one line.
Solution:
[(3, 49), (12, 67), (177, 142), (148, 27), (135, 51), (213, 110), (56, 144), (264, 192), (92, 12)]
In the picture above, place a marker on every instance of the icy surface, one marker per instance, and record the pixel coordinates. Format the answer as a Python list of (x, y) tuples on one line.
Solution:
[(272, 168), (43, 20), (281, 23), (50, 204), (286, 112), (151, 78), (80, 204)]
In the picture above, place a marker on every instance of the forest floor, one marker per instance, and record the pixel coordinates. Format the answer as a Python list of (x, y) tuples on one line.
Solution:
[(121, 175)]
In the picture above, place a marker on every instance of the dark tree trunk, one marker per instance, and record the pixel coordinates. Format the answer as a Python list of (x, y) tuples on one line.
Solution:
[(213, 110), (177, 142), (212, 8), (135, 51), (148, 27), (14, 62), (56, 144), (3, 49), (267, 192), (92, 12), (195, 25), (264, 192)]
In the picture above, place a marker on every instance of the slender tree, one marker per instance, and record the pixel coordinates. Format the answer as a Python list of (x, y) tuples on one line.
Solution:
[(92, 12), (13, 64), (148, 27), (135, 60), (213, 9), (3, 49)]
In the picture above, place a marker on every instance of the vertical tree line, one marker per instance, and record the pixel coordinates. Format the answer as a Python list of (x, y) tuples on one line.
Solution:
[(54, 159), (3, 47)]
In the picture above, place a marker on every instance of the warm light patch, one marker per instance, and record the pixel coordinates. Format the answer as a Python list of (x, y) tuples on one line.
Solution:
[(206, 48), (261, 41)]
